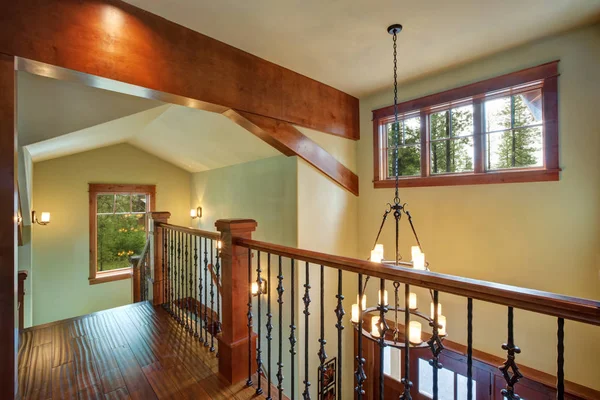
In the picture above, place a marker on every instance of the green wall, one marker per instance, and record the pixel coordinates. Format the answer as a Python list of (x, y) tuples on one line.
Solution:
[(61, 249)]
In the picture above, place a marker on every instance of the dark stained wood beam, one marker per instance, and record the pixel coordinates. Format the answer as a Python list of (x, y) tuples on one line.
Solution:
[(8, 227), (115, 40), (291, 142)]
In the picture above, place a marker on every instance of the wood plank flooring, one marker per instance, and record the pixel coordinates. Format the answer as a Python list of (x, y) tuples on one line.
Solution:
[(131, 352)]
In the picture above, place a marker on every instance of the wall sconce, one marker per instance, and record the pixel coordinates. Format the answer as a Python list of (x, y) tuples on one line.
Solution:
[(263, 287), (44, 219), (196, 213)]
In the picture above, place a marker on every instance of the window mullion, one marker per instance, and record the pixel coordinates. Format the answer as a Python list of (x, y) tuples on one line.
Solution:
[(424, 144), (478, 137)]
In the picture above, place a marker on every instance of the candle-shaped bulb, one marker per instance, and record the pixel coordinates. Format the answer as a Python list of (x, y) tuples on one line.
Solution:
[(379, 250), (414, 332), (375, 256), (419, 261), (193, 213), (254, 288), (219, 244), (415, 251), (385, 297), (375, 327), (364, 301), (439, 311), (412, 301), (442, 325), (355, 313)]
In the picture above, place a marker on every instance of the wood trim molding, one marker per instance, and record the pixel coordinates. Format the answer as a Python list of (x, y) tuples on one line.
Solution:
[(291, 142), (8, 225), (94, 189), (116, 40)]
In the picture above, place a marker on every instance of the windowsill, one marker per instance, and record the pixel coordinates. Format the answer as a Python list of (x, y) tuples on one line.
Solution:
[(110, 276), (519, 176)]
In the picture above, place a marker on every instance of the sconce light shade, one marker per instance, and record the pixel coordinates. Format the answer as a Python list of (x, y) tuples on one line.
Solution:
[(44, 219), (196, 213)]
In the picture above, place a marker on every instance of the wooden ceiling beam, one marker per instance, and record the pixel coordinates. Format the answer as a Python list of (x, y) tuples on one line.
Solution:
[(115, 40), (291, 142)]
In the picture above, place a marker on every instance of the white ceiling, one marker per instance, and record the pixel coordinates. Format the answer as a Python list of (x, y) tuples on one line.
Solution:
[(57, 118), (344, 43)]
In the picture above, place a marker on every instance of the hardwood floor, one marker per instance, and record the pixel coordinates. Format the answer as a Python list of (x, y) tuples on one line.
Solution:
[(130, 352)]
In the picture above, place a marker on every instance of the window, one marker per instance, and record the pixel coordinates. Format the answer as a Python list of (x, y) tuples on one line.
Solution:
[(500, 130), (118, 228)]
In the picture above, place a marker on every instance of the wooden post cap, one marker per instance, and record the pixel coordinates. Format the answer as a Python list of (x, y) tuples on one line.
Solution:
[(161, 216), (238, 225)]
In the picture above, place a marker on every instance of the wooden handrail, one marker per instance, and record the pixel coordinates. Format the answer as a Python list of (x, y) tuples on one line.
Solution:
[(567, 307), (191, 231)]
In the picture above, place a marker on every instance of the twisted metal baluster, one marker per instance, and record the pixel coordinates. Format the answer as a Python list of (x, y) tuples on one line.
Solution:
[(200, 288), (321, 353), (280, 291), (212, 299), (509, 369), (359, 375), (469, 348), (206, 292), (435, 345), (269, 325), (249, 315), (258, 350), (396, 333), (171, 271), (292, 337), (218, 284), (306, 300), (177, 279), (187, 294), (383, 328), (164, 270), (560, 374), (195, 287), (339, 312), (406, 380)]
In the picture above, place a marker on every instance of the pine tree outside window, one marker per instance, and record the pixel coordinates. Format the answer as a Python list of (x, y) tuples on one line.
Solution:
[(501, 130)]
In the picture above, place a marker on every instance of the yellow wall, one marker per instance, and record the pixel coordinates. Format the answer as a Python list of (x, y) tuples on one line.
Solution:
[(61, 249), (537, 235)]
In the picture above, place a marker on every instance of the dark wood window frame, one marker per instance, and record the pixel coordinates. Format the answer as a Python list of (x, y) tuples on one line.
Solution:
[(100, 188), (545, 76)]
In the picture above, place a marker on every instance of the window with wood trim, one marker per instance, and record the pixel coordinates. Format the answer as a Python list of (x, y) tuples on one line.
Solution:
[(118, 228), (500, 130)]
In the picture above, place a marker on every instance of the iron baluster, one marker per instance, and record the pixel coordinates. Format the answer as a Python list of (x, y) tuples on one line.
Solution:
[(218, 284), (469, 349), (306, 300), (177, 279), (435, 344), (200, 288), (195, 287), (280, 291), (249, 315), (269, 325), (258, 315), (172, 271), (339, 312), (509, 369), (190, 288), (187, 294), (359, 375), (321, 353), (406, 380), (560, 374), (396, 334), (293, 329), (164, 269), (383, 327), (205, 292), (212, 299)]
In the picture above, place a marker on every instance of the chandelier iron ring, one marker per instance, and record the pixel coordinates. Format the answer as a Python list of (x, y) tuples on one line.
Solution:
[(397, 343)]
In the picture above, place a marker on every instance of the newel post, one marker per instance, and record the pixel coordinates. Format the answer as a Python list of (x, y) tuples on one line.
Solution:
[(156, 252), (233, 340)]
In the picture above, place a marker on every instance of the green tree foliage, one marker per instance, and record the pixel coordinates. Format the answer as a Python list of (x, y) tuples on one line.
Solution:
[(409, 149), (515, 147), (119, 235), (456, 153)]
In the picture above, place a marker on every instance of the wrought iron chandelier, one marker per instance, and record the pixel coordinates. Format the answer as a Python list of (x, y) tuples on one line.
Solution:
[(379, 330)]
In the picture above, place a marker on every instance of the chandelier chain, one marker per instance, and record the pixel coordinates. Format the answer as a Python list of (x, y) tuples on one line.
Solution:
[(396, 129)]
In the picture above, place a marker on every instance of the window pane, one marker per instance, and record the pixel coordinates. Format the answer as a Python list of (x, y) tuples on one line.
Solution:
[(453, 155), (387, 361), (123, 203), (412, 130), (119, 237), (445, 381), (528, 108), (409, 161), (105, 203), (438, 125), (518, 148), (391, 135), (461, 388), (497, 114), (462, 121), (138, 203), (392, 363)]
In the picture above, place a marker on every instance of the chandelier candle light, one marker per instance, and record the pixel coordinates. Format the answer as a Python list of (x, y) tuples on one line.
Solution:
[(380, 331)]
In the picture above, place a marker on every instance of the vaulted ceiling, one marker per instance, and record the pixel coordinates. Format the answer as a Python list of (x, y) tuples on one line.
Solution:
[(58, 118), (343, 43)]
